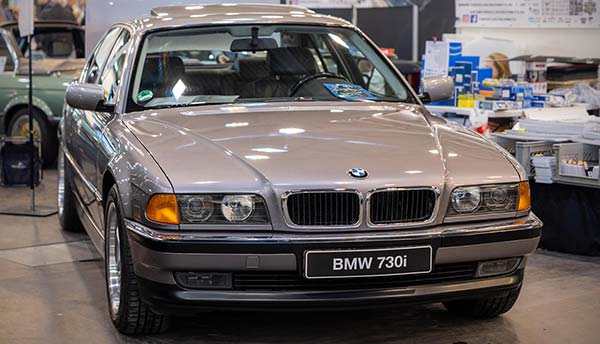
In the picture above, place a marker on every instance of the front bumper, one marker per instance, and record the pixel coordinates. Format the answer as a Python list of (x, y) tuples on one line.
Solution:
[(157, 255)]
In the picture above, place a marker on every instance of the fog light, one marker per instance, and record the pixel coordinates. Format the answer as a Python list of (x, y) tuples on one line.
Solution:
[(497, 267), (203, 280)]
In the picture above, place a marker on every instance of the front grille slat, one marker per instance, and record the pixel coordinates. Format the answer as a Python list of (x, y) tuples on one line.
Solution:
[(326, 208), (293, 281), (343, 208), (401, 206)]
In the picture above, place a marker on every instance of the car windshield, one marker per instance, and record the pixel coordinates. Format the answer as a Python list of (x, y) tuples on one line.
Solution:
[(260, 63), (53, 43)]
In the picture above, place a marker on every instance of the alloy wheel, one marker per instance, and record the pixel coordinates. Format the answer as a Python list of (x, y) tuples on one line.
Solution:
[(61, 183), (113, 260)]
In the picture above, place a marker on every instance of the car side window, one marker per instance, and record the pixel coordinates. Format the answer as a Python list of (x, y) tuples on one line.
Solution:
[(6, 61), (113, 70), (99, 57)]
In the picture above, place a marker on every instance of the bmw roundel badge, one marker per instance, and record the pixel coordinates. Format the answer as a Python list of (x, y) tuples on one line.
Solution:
[(358, 173)]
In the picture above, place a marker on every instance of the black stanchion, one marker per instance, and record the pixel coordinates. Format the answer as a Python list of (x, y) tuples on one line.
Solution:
[(35, 211)]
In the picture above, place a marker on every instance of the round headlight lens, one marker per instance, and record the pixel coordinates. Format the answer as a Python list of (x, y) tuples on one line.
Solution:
[(197, 208), (237, 208), (466, 200)]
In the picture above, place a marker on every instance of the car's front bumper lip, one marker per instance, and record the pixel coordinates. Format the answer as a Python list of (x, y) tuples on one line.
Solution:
[(172, 299)]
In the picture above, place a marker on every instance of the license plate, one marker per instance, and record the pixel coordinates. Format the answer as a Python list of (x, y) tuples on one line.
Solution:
[(367, 263)]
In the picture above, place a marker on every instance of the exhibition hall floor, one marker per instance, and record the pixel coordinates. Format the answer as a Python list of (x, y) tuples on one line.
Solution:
[(52, 291)]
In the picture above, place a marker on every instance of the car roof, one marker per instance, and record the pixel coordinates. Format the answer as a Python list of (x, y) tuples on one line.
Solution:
[(229, 13), (46, 26)]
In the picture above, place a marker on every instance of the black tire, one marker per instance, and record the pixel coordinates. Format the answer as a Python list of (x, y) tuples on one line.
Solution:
[(490, 307), (48, 138), (134, 316), (67, 214)]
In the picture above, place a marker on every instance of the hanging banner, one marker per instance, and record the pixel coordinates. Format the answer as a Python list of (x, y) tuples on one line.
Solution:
[(528, 13), (26, 15), (350, 3)]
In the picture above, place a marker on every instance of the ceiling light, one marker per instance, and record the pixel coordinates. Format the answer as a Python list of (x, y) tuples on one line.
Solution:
[(291, 131)]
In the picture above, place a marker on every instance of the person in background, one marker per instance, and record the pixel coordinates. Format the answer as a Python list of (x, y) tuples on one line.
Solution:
[(57, 10), (5, 14), (57, 44), (76, 8), (499, 64), (41, 6)]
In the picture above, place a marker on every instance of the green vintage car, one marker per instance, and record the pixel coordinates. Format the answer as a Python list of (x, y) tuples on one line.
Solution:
[(57, 52)]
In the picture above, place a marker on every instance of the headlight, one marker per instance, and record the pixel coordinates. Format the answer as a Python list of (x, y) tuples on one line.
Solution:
[(222, 209), (469, 200), (466, 200), (237, 208), (196, 208)]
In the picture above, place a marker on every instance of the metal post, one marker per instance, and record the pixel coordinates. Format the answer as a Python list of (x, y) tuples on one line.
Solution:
[(415, 33), (31, 139)]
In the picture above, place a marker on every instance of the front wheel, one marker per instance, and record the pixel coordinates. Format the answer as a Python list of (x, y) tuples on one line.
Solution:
[(128, 312), (489, 307)]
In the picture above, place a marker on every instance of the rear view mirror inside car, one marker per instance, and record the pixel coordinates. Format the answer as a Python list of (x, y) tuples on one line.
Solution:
[(253, 44)]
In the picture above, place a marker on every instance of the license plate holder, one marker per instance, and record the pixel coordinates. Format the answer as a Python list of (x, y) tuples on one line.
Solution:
[(351, 263)]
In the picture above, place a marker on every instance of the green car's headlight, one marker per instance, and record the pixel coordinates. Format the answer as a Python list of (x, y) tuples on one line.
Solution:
[(475, 200), (222, 209)]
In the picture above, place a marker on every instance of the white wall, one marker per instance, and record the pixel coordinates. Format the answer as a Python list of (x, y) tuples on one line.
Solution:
[(101, 14), (580, 43)]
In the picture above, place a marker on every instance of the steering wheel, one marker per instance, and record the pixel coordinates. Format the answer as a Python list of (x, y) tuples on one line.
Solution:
[(319, 75)]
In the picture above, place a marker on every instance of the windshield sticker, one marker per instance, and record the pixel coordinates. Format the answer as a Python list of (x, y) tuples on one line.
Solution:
[(145, 96), (349, 92)]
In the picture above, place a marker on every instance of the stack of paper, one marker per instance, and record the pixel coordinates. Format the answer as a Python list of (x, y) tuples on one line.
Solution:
[(544, 168)]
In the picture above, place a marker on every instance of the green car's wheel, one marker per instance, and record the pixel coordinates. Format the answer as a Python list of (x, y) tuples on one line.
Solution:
[(43, 133)]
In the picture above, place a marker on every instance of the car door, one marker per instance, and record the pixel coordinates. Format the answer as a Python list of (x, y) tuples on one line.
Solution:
[(110, 80), (86, 132)]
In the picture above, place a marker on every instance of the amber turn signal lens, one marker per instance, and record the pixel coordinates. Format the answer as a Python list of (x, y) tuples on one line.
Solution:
[(524, 197), (163, 208)]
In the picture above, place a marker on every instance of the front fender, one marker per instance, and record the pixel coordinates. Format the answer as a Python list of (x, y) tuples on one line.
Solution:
[(133, 169), (23, 100)]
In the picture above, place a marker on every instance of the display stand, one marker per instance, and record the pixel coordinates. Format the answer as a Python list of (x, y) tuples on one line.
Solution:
[(34, 210)]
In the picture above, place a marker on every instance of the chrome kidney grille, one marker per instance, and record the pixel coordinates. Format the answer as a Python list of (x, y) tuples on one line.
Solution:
[(344, 208), (401, 206), (323, 208)]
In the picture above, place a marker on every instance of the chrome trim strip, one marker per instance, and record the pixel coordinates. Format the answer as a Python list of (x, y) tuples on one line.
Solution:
[(87, 183), (481, 216), (431, 219), (486, 251), (517, 224), (289, 223)]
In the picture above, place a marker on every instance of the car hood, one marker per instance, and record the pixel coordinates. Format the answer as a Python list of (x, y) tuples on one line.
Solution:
[(312, 145)]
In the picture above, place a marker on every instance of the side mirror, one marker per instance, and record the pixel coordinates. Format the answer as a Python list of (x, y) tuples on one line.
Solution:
[(87, 97), (436, 88)]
